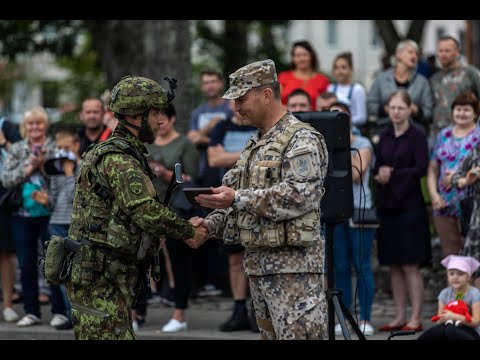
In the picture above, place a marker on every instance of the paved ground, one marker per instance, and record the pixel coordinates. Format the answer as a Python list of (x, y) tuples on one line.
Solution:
[(203, 317)]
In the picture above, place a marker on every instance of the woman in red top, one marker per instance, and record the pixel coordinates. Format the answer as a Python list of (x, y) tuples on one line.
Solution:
[(304, 74)]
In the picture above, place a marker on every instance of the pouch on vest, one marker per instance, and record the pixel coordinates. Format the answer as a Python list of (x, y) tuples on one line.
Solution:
[(230, 233), (57, 263), (259, 233), (304, 231), (92, 264)]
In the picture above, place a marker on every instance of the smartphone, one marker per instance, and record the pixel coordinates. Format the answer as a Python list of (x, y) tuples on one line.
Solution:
[(191, 192), (36, 149)]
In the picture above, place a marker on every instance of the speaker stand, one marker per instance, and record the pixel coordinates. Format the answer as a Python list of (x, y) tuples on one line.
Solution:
[(334, 298)]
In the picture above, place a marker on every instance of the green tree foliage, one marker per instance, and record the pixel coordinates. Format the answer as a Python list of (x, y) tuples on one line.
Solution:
[(30, 36), (70, 42)]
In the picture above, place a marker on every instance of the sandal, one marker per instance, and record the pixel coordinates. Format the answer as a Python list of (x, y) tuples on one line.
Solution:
[(28, 320)]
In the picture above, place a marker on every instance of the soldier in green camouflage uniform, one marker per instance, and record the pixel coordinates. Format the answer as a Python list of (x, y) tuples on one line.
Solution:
[(117, 216), (270, 203)]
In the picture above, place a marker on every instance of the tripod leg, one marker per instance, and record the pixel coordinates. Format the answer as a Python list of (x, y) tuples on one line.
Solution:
[(351, 320), (338, 309)]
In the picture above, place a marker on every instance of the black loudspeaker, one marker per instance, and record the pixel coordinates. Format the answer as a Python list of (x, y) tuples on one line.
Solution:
[(337, 202)]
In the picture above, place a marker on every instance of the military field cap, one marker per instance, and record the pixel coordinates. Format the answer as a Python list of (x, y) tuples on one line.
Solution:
[(250, 76)]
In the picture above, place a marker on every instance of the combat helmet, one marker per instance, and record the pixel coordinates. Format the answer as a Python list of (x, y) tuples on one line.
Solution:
[(134, 95)]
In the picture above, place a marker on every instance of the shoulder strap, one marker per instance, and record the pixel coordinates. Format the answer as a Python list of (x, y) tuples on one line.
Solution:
[(278, 147), (350, 92)]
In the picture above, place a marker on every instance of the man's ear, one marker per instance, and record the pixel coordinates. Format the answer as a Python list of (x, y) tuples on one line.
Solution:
[(267, 94)]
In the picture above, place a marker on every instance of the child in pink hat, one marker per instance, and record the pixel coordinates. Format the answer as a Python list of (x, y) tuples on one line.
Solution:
[(453, 325)]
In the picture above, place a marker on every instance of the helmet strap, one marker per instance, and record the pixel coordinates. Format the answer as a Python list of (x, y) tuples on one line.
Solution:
[(126, 123), (145, 133)]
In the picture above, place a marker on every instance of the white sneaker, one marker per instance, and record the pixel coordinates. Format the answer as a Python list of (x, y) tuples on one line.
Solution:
[(338, 330), (28, 320), (58, 320), (135, 326), (366, 328), (9, 315), (174, 326)]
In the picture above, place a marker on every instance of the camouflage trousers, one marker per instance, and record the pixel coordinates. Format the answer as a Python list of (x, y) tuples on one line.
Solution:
[(100, 291), (290, 306)]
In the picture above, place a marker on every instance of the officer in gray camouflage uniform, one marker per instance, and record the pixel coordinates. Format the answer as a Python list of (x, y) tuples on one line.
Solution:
[(117, 216), (270, 203)]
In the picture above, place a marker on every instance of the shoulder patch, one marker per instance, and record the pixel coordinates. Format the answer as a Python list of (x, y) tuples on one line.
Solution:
[(135, 183), (302, 165)]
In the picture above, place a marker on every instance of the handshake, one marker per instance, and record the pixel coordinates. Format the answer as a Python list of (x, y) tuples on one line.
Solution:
[(201, 232)]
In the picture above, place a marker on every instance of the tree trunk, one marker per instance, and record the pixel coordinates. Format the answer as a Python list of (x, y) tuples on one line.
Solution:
[(235, 54), (391, 38), (150, 48), (167, 53), (119, 48), (415, 32), (389, 35), (476, 42)]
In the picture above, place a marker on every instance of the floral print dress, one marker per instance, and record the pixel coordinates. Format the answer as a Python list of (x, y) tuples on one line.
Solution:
[(450, 152)]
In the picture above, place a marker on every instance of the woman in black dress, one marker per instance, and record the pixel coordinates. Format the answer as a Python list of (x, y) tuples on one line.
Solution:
[(403, 236)]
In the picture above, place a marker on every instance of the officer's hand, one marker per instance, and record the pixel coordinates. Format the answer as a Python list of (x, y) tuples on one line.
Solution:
[(196, 221), (199, 238), (221, 198)]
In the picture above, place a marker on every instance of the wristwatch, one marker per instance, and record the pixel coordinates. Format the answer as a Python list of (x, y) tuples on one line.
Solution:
[(4, 144)]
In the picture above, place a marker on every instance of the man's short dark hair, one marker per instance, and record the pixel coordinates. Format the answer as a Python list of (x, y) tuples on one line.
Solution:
[(301, 92), (211, 72), (449, 37)]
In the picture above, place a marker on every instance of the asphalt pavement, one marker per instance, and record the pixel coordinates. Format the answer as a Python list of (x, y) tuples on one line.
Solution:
[(203, 317)]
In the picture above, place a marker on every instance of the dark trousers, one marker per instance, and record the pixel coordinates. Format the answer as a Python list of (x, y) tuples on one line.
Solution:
[(61, 230), (181, 258), (450, 332), (26, 232)]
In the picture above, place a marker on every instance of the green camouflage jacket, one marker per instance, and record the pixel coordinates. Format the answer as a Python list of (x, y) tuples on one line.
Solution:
[(116, 215)]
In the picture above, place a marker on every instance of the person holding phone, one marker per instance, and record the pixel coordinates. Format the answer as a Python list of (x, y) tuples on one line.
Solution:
[(23, 167)]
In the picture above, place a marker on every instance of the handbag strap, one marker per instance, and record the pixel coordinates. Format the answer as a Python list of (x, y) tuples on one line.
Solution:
[(3, 151)]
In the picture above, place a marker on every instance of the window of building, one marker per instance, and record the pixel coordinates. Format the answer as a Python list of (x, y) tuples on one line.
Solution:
[(332, 32), (440, 32)]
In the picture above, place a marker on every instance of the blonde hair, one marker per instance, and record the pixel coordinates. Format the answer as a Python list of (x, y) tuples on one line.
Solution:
[(37, 112)]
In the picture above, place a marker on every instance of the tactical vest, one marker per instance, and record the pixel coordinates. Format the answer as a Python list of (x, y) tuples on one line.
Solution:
[(95, 215), (256, 233)]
